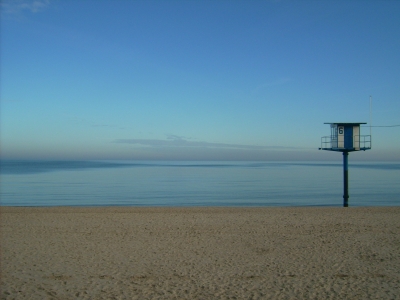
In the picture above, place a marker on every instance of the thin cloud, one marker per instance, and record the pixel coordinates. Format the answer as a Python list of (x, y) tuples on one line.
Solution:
[(176, 137), (277, 82), (20, 6), (181, 142), (87, 122), (107, 126)]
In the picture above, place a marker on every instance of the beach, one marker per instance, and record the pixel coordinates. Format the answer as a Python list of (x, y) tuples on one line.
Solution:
[(200, 253)]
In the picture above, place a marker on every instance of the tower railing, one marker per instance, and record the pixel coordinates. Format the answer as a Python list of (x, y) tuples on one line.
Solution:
[(364, 141), (360, 142)]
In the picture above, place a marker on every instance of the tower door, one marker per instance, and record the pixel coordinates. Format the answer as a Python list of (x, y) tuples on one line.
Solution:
[(348, 137)]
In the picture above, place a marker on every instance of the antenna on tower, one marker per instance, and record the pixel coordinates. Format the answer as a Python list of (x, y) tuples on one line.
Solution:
[(370, 115)]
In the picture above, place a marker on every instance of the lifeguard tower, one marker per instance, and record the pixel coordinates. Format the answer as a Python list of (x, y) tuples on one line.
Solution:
[(345, 137)]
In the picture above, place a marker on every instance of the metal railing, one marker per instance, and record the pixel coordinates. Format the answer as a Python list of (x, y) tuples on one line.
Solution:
[(360, 142), (327, 142)]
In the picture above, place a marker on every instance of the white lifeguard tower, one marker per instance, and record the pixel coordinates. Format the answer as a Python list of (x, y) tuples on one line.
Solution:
[(345, 137)]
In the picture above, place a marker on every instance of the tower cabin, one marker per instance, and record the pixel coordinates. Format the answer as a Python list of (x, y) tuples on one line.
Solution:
[(345, 137)]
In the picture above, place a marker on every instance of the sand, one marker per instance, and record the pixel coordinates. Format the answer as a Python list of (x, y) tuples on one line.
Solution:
[(200, 253)]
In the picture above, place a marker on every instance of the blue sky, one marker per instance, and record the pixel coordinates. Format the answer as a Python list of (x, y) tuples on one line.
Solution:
[(232, 80)]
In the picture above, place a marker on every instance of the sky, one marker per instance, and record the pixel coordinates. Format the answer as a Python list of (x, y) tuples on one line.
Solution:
[(197, 80)]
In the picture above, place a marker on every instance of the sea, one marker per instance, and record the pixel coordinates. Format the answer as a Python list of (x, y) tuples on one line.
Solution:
[(194, 183)]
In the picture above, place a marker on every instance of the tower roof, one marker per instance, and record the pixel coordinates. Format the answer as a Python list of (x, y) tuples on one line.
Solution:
[(346, 123)]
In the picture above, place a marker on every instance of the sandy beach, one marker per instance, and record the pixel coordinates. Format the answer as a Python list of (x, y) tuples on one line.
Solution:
[(200, 253)]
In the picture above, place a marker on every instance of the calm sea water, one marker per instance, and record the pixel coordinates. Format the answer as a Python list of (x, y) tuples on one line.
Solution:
[(105, 183)]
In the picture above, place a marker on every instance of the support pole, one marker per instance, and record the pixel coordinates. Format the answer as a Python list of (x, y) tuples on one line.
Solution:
[(345, 179)]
